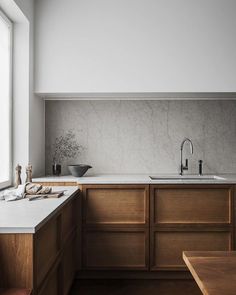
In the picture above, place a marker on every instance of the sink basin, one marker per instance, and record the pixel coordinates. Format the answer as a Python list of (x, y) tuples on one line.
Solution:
[(186, 177)]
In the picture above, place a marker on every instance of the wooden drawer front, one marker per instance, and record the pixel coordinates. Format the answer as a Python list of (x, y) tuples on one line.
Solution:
[(68, 262), (52, 283), (16, 260), (68, 219), (47, 248), (168, 246), (115, 250), (116, 205), (197, 205)]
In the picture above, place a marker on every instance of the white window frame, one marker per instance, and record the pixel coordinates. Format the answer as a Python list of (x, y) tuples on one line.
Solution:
[(10, 26)]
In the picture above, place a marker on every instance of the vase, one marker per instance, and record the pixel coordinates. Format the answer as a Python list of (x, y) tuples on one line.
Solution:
[(56, 169)]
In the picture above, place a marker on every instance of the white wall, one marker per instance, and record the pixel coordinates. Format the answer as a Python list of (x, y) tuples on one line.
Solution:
[(28, 111), (135, 46)]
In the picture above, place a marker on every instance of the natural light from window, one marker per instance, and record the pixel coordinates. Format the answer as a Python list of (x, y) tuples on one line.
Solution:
[(5, 100)]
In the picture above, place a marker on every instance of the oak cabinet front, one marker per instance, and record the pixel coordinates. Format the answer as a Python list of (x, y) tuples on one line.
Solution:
[(52, 283), (116, 205), (168, 246), (147, 227), (116, 249), (115, 227), (191, 205), (189, 218)]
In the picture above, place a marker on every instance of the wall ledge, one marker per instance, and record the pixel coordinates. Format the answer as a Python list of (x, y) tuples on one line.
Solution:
[(139, 96)]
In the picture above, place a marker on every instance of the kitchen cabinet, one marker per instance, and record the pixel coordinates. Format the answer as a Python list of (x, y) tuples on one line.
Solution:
[(189, 217), (115, 227), (43, 261), (121, 231)]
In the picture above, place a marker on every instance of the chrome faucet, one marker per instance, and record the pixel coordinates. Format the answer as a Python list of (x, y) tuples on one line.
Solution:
[(182, 166)]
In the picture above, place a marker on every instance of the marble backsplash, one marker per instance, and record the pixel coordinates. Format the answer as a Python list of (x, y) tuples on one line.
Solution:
[(145, 136)]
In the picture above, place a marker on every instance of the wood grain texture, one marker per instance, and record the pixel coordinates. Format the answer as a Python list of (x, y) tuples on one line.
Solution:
[(168, 246), (68, 264), (16, 260), (214, 272), (68, 220), (47, 247), (52, 284), (196, 205), (120, 249), (116, 204)]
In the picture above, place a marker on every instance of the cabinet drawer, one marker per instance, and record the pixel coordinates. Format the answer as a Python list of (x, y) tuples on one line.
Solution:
[(115, 205), (168, 246), (68, 221), (192, 205), (47, 248), (115, 249), (52, 283), (68, 263)]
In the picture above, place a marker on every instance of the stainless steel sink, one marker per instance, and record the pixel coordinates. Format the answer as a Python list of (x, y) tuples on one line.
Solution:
[(186, 177)]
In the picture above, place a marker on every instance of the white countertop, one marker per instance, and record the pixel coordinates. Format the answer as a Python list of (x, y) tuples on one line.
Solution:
[(24, 216), (133, 179)]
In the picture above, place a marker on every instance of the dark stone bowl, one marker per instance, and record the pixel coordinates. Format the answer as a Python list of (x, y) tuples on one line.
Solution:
[(78, 170)]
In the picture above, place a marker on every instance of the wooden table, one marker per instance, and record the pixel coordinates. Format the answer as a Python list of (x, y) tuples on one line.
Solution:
[(214, 271)]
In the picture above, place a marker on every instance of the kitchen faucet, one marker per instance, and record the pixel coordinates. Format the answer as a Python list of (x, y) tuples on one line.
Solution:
[(182, 166)]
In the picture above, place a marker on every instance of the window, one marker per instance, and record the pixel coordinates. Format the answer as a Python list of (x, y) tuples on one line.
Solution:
[(5, 100)]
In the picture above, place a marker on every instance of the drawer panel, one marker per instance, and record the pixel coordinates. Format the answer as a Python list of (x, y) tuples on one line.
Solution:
[(115, 250), (68, 221), (116, 205), (68, 262), (192, 205), (47, 248), (52, 284), (168, 246)]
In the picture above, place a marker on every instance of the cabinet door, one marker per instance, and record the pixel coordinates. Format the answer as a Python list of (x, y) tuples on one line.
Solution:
[(47, 247), (116, 249), (168, 246), (52, 284), (68, 219), (68, 265), (188, 204), (116, 205)]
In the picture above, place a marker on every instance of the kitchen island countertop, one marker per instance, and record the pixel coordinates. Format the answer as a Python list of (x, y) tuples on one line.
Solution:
[(24, 216)]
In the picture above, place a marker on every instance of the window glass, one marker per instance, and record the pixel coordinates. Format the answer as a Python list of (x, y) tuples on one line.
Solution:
[(5, 100)]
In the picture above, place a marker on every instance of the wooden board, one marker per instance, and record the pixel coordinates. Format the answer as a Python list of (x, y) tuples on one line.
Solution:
[(214, 272)]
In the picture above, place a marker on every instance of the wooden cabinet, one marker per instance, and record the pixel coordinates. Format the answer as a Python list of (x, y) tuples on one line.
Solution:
[(68, 264), (168, 246), (116, 205), (122, 232), (44, 261), (116, 249), (191, 205), (55, 258), (47, 247), (115, 227), (189, 218), (52, 283)]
